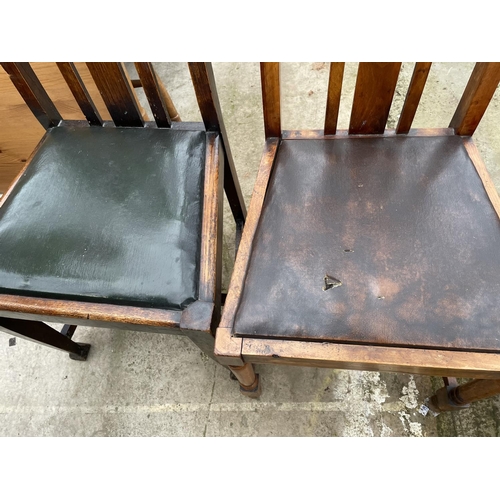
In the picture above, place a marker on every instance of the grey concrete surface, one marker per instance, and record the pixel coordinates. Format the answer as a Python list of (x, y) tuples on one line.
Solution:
[(142, 384)]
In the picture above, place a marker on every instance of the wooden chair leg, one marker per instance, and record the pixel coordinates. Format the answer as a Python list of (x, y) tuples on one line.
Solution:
[(41, 333), (454, 397), (249, 381)]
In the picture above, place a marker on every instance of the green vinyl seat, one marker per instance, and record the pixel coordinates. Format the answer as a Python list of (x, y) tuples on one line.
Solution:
[(106, 214)]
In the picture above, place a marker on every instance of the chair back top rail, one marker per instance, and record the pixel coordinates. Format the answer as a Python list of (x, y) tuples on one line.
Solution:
[(117, 91), (373, 95)]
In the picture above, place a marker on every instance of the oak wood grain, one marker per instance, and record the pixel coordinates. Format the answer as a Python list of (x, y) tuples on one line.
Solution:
[(483, 173), (30, 88), (20, 131), (333, 97), (117, 92), (80, 93), (375, 86), (205, 88), (270, 79), (227, 347), (386, 359), (154, 96), (476, 97), (417, 84), (342, 134)]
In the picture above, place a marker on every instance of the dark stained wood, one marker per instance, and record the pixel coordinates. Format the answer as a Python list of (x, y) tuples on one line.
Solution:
[(204, 95), (33, 93), (259, 191), (417, 84), (155, 98), (118, 94), (270, 78), (342, 134), (172, 110), (85, 313), (43, 334), (203, 79), (476, 390), (211, 238), (333, 99), (453, 397), (476, 97), (77, 87), (375, 86), (227, 347), (377, 358)]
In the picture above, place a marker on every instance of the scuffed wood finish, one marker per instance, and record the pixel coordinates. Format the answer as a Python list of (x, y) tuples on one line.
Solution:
[(205, 95), (203, 79), (74, 312), (211, 238), (385, 359), (227, 347), (342, 134), (243, 256), (270, 78), (155, 98), (117, 92), (476, 97), (477, 390), (333, 99), (80, 93), (483, 173), (417, 84), (33, 93), (375, 86)]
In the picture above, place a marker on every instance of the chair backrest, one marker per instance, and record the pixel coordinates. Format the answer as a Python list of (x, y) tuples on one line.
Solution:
[(374, 91), (116, 89)]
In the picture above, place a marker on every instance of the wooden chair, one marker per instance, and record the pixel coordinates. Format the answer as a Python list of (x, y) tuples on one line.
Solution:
[(372, 249), (118, 223)]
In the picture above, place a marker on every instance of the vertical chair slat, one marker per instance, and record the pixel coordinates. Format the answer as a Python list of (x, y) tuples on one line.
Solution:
[(204, 95), (476, 97), (203, 79), (117, 93), (270, 77), (151, 88), (333, 99), (375, 86), (417, 84), (80, 93), (31, 90)]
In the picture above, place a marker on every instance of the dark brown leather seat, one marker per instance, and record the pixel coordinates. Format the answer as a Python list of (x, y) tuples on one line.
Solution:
[(122, 223), (404, 231)]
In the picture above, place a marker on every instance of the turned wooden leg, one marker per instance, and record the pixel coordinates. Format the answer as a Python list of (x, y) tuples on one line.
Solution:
[(41, 333), (454, 397), (248, 379)]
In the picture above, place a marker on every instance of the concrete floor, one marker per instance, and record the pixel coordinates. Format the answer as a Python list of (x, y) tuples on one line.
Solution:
[(142, 384)]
